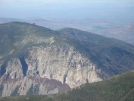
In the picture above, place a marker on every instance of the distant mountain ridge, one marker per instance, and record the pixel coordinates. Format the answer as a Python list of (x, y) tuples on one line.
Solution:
[(125, 33), (119, 29), (38, 60)]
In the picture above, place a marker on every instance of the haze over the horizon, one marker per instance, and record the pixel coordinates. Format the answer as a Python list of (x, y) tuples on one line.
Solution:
[(67, 9)]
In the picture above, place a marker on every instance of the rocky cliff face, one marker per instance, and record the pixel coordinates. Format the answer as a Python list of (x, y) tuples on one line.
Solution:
[(62, 64), (43, 65)]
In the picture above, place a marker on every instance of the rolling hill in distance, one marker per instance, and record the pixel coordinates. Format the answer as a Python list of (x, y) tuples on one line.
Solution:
[(118, 29), (38, 60)]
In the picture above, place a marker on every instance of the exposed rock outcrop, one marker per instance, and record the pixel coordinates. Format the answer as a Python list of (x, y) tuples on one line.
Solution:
[(61, 64)]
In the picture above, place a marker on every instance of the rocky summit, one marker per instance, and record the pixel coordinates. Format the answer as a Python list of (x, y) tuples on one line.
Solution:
[(37, 60)]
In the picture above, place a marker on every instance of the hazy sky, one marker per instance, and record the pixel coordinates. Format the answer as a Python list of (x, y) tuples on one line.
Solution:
[(69, 9)]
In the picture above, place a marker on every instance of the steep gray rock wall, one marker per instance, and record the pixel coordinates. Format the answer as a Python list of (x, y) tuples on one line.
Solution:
[(60, 64), (63, 64), (14, 68)]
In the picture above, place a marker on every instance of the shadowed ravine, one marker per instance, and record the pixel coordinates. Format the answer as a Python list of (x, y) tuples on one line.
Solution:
[(24, 65)]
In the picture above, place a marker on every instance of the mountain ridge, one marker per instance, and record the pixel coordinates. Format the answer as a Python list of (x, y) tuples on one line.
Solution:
[(94, 40)]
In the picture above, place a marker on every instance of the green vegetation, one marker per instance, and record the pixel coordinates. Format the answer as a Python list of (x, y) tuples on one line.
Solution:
[(15, 92), (118, 88)]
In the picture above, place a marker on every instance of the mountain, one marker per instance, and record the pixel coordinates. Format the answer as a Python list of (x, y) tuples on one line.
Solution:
[(117, 88), (106, 53), (38, 60)]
